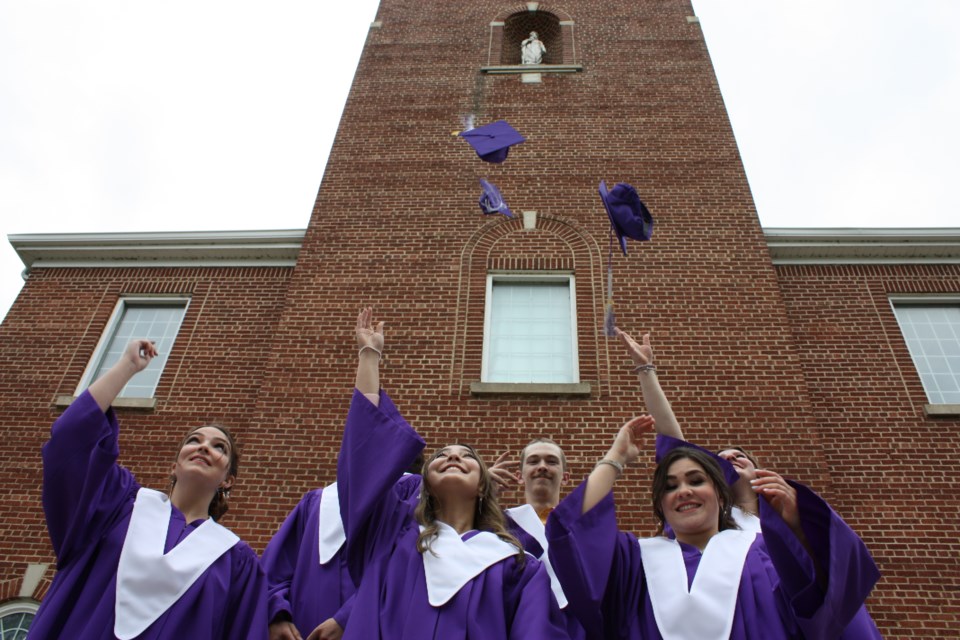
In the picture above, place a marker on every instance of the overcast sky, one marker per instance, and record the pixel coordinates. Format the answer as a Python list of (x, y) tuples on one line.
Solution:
[(123, 115)]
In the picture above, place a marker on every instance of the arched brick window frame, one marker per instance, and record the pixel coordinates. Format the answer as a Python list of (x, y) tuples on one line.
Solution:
[(576, 251), (554, 27)]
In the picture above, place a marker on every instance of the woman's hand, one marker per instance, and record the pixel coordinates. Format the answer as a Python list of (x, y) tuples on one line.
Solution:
[(284, 630), (504, 474), (138, 354), (626, 446), (329, 629), (369, 335), (642, 353), (779, 494)]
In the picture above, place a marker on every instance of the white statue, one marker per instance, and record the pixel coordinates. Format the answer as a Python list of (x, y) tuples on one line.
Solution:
[(532, 50)]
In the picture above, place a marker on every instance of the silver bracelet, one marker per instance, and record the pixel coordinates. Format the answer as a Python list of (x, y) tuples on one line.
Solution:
[(645, 368), (365, 347), (613, 463)]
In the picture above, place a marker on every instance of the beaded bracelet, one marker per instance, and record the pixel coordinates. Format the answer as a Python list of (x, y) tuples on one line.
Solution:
[(645, 368), (613, 463)]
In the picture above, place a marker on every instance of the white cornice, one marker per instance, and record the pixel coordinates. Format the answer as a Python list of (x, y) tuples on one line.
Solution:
[(275, 248), (864, 246)]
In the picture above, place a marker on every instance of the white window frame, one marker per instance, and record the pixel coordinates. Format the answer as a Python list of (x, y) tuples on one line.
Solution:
[(21, 605), (114, 322), (523, 277), (928, 301)]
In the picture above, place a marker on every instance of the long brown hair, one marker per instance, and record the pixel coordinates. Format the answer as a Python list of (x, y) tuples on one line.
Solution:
[(488, 515), (218, 505), (711, 468)]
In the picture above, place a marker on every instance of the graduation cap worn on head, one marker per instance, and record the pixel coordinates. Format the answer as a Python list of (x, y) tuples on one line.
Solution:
[(491, 201), (629, 218), (492, 141)]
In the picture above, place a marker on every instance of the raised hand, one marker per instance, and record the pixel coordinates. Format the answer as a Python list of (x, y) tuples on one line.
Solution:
[(368, 334), (135, 358), (640, 352), (626, 446), (504, 474), (138, 354), (779, 494)]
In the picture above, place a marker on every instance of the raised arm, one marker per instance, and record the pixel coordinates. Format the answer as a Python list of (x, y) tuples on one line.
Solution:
[(625, 449), (653, 396), (370, 341), (135, 358)]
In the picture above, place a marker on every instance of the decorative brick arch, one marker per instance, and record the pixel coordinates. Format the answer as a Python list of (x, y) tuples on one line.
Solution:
[(553, 25), (557, 245)]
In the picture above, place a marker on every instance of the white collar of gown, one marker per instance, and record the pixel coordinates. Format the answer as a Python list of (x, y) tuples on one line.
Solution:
[(747, 521), (451, 562), (705, 610), (331, 536), (527, 519), (149, 582)]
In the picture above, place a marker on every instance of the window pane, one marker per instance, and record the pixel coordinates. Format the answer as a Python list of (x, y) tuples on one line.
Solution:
[(159, 323), (933, 337), (530, 333)]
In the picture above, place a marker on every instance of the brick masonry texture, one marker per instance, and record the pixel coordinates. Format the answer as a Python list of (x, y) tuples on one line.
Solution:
[(804, 366)]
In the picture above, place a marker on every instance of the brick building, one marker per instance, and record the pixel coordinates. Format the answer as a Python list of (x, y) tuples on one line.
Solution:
[(795, 343)]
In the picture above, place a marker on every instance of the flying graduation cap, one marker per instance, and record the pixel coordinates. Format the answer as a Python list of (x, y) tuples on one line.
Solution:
[(491, 202), (629, 218), (492, 141)]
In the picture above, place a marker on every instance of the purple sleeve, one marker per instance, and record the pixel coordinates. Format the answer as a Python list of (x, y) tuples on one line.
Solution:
[(342, 616), (378, 446), (82, 484), (532, 606), (279, 559), (849, 570), (598, 566), (246, 614)]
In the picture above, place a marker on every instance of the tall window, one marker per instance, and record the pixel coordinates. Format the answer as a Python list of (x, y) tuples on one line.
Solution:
[(157, 319), (530, 332), (932, 333)]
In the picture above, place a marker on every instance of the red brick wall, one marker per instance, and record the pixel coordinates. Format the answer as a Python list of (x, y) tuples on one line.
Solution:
[(214, 373), (396, 225), (893, 471)]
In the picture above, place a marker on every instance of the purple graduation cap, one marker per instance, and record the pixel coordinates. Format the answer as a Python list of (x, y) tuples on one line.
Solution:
[(492, 141), (491, 201), (629, 217)]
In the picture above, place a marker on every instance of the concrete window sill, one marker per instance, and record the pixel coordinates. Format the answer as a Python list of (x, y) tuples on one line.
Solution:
[(580, 389), (144, 404), (942, 410)]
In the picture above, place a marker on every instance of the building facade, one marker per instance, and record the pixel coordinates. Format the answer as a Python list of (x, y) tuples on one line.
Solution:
[(827, 353)]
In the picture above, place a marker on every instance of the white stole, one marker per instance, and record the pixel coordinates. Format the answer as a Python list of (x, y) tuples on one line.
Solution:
[(747, 521), (331, 536), (451, 563), (149, 582), (705, 610), (527, 519)]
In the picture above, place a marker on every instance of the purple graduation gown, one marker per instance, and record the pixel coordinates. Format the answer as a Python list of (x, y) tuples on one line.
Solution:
[(601, 570), (88, 499), (504, 601), (862, 627), (532, 547), (299, 586)]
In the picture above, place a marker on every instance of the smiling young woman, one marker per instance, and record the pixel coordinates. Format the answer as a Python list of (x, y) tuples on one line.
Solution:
[(133, 562), (445, 568)]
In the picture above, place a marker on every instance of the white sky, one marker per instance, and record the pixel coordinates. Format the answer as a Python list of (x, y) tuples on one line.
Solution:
[(123, 115)]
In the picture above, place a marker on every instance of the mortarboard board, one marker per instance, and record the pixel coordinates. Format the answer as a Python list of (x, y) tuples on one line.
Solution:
[(492, 141), (491, 201), (629, 217)]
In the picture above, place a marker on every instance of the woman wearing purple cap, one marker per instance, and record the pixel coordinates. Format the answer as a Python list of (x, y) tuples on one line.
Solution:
[(714, 580), (445, 568), (740, 473), (133, 562)]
